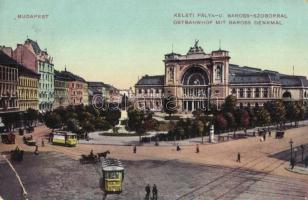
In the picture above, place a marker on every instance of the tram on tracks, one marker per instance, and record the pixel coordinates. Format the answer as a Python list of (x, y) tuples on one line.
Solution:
[(112, 175), (64, 138)]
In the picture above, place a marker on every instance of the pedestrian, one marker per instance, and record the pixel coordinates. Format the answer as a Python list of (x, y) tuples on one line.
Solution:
[(238, 157), (43, 143), (292, 163), (197, 148), (135, 149), (148, 191), (270, 133), (306, 161), (36, 150), (154, 192), (264, 136), (178, 147)]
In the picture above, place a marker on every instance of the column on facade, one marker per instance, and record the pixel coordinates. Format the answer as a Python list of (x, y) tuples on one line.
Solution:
[(245, 93), (192, 105), (186, 105)]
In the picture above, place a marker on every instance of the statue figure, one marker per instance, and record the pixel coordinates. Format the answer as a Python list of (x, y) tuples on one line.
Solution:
[(196, 43)]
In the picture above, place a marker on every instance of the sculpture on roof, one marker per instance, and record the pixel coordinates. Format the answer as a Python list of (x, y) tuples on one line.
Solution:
[(196, 44), (195, 48)]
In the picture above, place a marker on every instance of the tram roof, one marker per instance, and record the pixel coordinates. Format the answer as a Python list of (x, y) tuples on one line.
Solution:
[(111, 164), (63, 133)]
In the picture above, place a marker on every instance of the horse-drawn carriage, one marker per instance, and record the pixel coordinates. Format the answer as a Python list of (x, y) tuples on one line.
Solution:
[(29, 140), (93, 158), (279, 134), (8, 138)]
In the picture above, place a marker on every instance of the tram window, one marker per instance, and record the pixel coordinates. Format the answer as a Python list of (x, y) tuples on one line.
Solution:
[(113, 175)]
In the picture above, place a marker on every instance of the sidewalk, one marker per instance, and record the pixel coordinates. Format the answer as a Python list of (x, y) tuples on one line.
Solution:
[(297, 169), (96, 138)]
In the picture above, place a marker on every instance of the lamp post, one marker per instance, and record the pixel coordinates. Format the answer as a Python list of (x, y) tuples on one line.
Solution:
[(291, 149)]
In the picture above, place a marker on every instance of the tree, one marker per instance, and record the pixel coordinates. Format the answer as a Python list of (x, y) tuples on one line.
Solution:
[(30, 116), (9, 119), (221, 122), (170, 105), (276, 110), (263, 116), (112, 115), (136, 119), (73, 125), (53, 120), (179, 130), (292, 111), (101, 124), (87, 127), (231, 122), (252, 117), (242, 118), (230, 104), (199, 128)]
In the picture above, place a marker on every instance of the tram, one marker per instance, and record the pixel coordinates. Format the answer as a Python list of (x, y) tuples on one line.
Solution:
[(64, 138), (113, 175)]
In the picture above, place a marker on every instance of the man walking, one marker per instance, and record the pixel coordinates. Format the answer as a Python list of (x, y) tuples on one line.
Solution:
[(292, 163), (135, 149), (178, 147), (148, 192), (197, 148), (36, 152), (154, 191), (238, 157)]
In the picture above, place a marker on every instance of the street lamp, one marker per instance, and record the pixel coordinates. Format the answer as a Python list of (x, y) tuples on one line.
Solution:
[(291, 149)]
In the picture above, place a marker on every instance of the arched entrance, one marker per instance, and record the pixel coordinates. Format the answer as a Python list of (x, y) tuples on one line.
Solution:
[(195, 88)]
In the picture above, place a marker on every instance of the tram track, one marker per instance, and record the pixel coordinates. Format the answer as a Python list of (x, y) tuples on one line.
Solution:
[(253, 181), (225, 178)]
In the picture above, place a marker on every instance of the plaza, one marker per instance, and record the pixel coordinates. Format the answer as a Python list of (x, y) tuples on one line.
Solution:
[(210, 174)]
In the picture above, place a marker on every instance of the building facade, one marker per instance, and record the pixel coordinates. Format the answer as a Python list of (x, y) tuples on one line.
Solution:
[(28, 89), (61, 91), (85, 93), (77, 89), (8, 84), (33, 57), (97, 92), (198, 79)]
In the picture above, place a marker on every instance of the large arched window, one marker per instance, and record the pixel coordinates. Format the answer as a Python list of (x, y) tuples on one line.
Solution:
[(286, 94), (195, 76)]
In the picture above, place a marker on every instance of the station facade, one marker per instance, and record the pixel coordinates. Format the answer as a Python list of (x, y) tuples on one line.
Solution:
[(197, 79)]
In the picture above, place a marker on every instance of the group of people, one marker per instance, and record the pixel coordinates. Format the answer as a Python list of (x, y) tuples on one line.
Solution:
[(148, 192)]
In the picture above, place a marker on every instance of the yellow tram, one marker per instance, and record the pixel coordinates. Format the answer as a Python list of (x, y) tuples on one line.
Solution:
[(113, 175), (64, 138)]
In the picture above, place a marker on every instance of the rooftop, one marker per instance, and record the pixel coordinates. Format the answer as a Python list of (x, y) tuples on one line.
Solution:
[(152, 80)]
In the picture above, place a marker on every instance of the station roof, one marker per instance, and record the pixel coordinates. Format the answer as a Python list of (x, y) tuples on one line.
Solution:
[(152, 80)]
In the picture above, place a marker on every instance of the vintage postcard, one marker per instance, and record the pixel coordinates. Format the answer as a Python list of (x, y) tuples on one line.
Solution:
[(154, 100)]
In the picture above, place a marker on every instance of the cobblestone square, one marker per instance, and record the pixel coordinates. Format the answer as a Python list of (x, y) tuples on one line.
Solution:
[(55, 176)]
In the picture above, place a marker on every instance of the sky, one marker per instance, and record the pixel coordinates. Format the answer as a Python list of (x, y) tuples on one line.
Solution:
[(117, 41)]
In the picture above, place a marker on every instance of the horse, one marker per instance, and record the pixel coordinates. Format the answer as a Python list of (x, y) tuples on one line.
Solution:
[(103, 154)]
